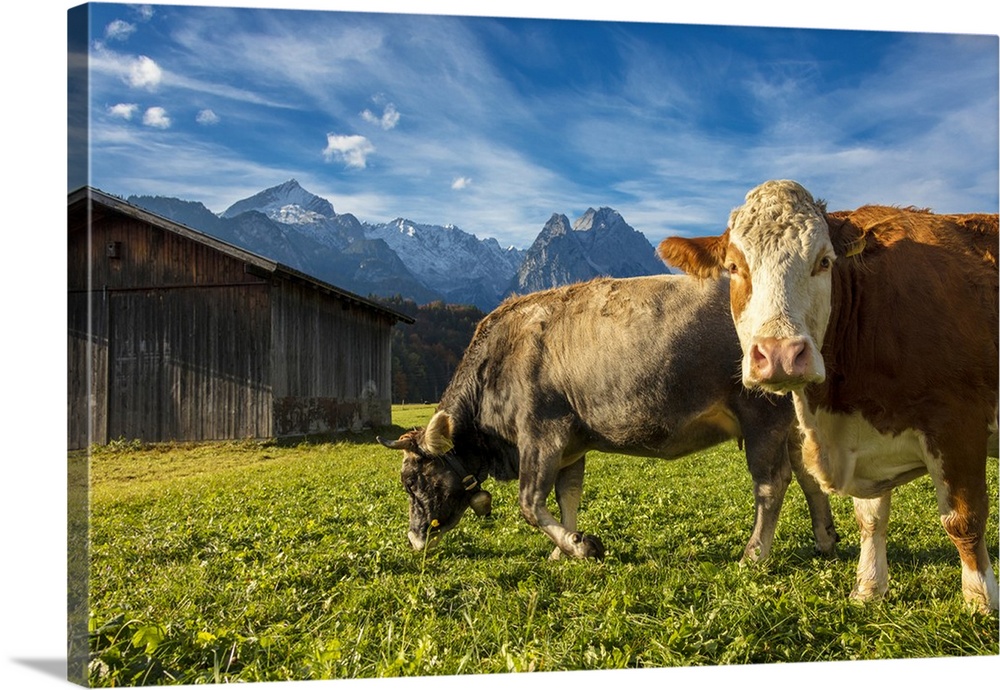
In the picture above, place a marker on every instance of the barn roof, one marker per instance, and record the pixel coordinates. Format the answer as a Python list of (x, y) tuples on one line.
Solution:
[(260, 263)]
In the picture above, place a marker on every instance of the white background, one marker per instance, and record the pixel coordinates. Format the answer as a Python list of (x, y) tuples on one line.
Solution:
[(33, 399)]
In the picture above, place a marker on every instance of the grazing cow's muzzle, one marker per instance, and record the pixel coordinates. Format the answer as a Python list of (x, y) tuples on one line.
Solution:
[(420, 543), (782, 364)]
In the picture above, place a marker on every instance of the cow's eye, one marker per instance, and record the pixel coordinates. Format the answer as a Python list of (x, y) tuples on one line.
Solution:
[(732, 268), (411, 482), (824, 265)]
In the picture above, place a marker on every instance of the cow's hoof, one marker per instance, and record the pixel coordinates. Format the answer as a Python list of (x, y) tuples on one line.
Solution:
[(866, 592), (593, 547), (754, 553), (588, 546), (825, 552)]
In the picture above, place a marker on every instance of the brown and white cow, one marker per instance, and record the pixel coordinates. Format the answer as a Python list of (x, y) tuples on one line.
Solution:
[(882, 323)]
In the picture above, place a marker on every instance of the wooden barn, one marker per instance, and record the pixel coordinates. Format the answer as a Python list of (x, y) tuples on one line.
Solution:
[(177, 336)]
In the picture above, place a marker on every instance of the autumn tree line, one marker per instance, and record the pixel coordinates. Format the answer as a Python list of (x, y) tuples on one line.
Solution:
[(426, 353)]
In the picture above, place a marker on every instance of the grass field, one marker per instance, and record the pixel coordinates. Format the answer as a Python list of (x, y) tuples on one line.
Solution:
[(257, 561)]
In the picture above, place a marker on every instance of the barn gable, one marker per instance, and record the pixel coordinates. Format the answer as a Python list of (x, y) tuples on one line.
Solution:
[(177, 336)]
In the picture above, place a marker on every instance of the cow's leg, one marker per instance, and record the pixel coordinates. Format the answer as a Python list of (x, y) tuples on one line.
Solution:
[(872, 515), (816, 499), (767, 459), (979, 583), (538, 473), (964, 505), (569, 491)]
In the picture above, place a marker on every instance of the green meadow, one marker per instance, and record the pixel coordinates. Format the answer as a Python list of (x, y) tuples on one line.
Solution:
[(259, 561)]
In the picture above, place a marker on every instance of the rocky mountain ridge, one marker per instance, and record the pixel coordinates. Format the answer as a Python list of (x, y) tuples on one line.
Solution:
[(421, 262)]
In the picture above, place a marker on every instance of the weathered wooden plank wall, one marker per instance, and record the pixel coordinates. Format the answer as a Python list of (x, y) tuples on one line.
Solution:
[(182, 335), (87, 349), (331, 363), (87, 353), (190, 364)]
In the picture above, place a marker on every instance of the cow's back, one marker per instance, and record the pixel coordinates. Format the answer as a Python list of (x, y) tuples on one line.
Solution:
[(913, 336), (632, 361)]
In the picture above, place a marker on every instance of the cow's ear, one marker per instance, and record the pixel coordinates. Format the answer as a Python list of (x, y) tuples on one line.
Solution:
[(848, 239), (437, 435), (697, 256)]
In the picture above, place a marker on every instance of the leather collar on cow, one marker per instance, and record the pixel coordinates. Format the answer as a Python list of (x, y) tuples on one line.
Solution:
[(470, 481), (480, 500)]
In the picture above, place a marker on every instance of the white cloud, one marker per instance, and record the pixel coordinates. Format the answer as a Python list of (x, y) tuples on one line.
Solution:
[(145, 12), (388, 120), (390, 117), (144, 73), (118, 30), (123, 110), (207, 117), (156, 117), (461, 182), (352, 150)]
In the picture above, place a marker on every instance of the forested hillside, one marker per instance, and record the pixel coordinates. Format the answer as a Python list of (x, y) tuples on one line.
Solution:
[(426, 353)]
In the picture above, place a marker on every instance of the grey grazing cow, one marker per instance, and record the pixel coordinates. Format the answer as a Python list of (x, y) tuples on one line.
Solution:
[(646, 367)]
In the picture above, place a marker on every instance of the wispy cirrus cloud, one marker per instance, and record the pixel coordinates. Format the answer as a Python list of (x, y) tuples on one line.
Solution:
[(145, 73), (135, 71), (118, 30), (387, 120)]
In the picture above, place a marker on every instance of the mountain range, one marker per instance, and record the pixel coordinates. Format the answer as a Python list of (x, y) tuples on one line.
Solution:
[(424, 263)]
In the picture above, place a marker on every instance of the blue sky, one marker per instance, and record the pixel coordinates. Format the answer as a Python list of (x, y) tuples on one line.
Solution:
[(493, 124)]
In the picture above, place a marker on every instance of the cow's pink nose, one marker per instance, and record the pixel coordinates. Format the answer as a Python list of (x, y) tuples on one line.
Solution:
[(777, 361)]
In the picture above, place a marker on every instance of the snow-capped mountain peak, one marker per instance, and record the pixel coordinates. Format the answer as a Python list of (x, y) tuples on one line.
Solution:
[(293, 214), (287, 203), (451, 261), (422, 262)]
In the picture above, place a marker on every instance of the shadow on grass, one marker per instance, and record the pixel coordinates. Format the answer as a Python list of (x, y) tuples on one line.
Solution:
[(896, 553), (365, 437), (945, 554)]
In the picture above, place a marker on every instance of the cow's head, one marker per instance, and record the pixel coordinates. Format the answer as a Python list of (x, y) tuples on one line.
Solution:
[(778, 251), (436, 480)]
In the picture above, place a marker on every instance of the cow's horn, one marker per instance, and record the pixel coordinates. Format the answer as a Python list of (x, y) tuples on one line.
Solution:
[(398, 444), (482, 503)]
